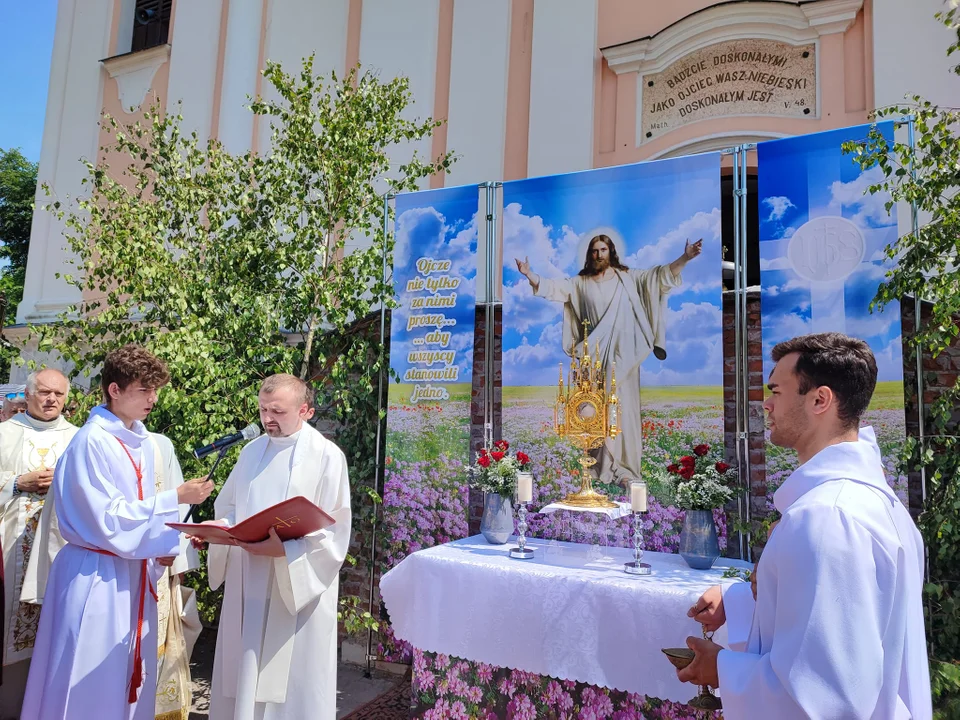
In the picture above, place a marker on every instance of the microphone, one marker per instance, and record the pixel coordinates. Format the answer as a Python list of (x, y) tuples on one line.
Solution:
[(248, 433)]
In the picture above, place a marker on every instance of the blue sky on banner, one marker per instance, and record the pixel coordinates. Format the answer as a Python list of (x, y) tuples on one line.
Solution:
[(809, 177), (653, 207), (440, 224)]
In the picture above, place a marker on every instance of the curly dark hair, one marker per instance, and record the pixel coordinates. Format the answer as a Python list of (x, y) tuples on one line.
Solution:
[(132, 363), (844, 364)]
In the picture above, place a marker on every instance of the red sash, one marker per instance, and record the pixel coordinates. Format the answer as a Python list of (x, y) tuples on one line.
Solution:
[(136, 679)]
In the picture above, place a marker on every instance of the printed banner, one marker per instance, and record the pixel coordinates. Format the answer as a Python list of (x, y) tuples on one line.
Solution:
[(636, 251), (822, 258), (426, 497)]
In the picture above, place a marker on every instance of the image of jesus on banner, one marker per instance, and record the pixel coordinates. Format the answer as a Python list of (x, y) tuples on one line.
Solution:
[(625, 311)]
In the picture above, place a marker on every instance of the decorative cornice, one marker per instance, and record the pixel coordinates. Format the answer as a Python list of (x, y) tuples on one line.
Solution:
[(134, 73), (763, 19)]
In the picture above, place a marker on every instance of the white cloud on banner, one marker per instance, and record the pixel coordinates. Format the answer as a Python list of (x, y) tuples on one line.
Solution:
[(890, 360), (711, 352), (425, 230), (872, 211), (526, 311), (697, 276), (528, 237), (777, 263), (778, 207)]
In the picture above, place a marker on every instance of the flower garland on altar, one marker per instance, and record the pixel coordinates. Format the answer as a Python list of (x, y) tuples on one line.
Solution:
[(496, 469), (701, 482)]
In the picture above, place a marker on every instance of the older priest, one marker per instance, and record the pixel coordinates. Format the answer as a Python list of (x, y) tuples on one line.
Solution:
[(277, 644), (30, 445), (95, 653)]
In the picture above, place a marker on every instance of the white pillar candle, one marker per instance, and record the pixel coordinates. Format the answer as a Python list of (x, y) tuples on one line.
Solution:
[(525, 488), (638, 497)]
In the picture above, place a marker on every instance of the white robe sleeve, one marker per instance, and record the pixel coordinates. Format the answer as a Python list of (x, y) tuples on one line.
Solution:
[(188, 558), (557, 289), (225, 510), (832, 606), (738, 606), (312, 563), (653, 286), (89, 503)]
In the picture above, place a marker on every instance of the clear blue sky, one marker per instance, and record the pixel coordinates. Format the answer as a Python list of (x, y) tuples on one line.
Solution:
[(26, 43)]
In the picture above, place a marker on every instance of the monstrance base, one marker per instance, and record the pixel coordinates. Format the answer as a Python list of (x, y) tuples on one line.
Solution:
[(589, 499)]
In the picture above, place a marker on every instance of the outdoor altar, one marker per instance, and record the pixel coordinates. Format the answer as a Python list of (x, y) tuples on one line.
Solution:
[(553, 636)]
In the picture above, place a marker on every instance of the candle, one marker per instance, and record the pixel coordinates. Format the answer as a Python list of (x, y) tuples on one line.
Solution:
[(638, 497), (524, 488)]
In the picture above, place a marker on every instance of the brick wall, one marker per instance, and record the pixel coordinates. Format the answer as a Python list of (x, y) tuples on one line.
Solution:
[(478, 398), (756, 469), (938, 375)]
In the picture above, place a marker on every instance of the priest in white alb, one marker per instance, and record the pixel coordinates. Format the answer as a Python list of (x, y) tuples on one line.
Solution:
[(30, 445), (626, 314), (95, 653), (277, 641), (836, 629)]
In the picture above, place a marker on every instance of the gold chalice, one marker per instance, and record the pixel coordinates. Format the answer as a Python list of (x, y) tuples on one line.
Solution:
[(42, 452), (680, 658)]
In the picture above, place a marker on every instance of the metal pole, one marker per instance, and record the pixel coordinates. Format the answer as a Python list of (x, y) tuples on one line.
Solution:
[(380, 422), (489, 314), (745, 398), (743, 469), (917, 308)]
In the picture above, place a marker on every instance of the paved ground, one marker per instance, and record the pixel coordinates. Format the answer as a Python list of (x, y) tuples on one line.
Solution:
[(353, 689)]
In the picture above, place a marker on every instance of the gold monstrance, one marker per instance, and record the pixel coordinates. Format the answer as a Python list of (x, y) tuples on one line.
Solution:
[(587, 415)]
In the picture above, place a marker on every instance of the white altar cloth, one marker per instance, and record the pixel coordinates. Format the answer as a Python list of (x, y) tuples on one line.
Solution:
[(566, 613)]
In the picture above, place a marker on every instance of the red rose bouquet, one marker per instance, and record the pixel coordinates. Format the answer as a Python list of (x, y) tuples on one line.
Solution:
[(496, 469), (701, 480)]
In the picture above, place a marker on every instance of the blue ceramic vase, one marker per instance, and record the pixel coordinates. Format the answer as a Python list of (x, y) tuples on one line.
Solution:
[(699, 546), (496, 525)]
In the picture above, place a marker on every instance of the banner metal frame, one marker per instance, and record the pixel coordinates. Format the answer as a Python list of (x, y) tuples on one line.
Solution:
[(379, 467)]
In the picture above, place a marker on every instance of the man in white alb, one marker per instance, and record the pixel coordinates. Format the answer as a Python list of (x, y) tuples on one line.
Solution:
[(277, 642), (95, 654), (30, 445), (836, 629), (626, 312)]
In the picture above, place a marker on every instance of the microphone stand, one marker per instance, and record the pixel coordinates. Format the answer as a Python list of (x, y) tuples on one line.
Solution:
[(220, 455)]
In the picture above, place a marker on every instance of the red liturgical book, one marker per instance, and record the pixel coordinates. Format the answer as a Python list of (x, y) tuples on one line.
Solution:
[(293, 518)]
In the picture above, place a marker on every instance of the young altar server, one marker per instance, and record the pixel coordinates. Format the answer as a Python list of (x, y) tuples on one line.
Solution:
[(836, 630), (95, 654), (277, 645)]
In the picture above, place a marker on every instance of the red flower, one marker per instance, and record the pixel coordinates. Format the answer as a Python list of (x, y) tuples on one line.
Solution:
[(483, 461), (497, 455), (675, 469), (688, 461), (686, 472), (483, 452), (722, 467), (502, 445), (701, 450), (523, 458)]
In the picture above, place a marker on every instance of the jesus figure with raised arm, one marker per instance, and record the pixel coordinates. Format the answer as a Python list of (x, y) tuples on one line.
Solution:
[(625, 312)]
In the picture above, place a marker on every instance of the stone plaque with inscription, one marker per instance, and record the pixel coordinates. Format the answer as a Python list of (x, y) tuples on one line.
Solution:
[(736, 77)]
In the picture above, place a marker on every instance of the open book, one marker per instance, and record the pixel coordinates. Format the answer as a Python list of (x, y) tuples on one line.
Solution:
[(293, 518)]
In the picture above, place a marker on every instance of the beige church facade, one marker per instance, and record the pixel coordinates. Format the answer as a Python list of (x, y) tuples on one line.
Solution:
[(527, 87)]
